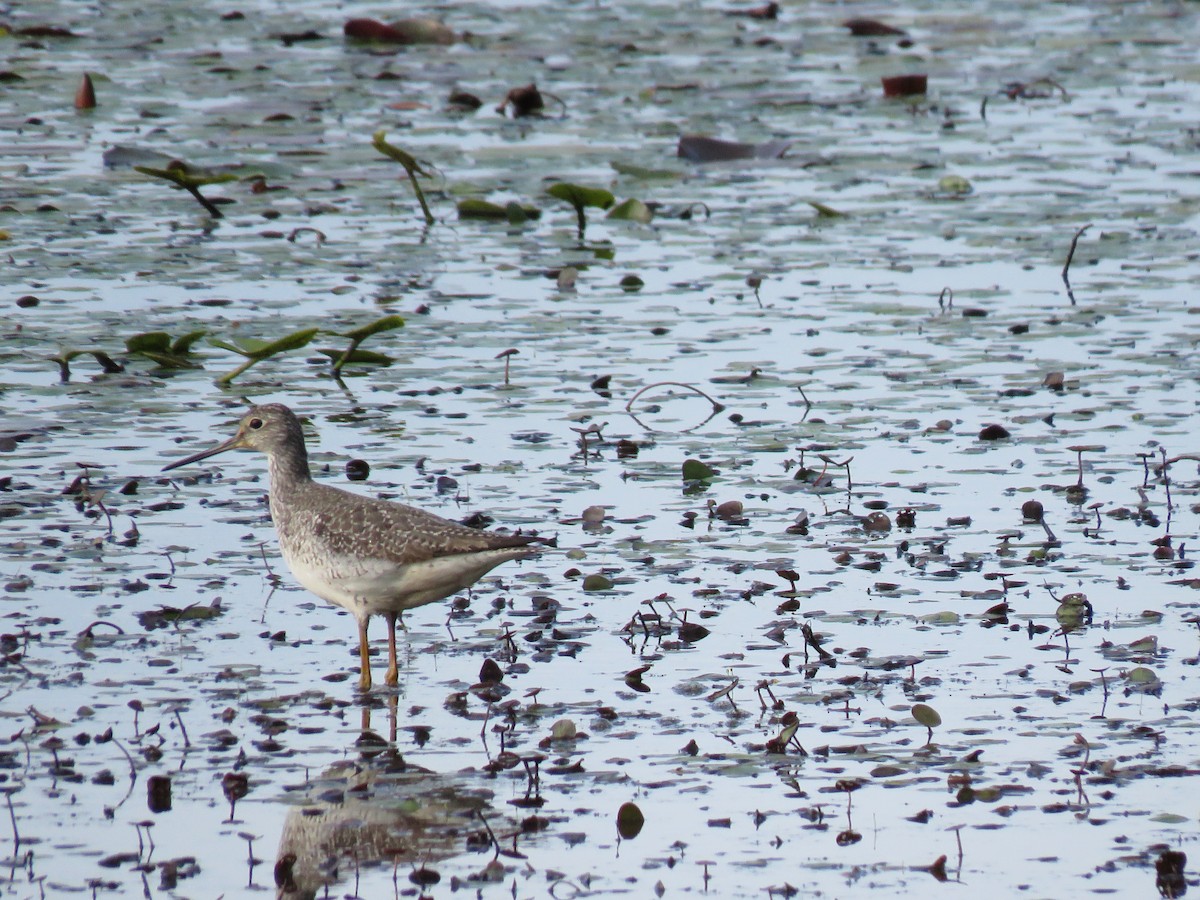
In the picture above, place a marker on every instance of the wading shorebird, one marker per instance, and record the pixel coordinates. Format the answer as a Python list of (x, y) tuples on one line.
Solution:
[(370, 557)]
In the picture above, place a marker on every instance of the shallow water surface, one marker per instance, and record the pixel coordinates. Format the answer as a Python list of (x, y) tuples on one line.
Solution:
[(181, 717)]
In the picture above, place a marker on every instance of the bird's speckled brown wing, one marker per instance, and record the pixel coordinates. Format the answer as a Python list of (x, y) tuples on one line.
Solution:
[(346, 523)]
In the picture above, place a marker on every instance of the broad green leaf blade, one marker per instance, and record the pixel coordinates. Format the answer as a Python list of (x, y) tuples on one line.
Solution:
[(183, 343), (107, 363), (149, 342), (580, 196), (169, 360), (232, 348), (926, 715), (387, 323), (474, 208), (293, 341), (630, 821), (694, 470)]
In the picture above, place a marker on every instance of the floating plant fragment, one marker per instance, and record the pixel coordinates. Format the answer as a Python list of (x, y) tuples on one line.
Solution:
[(412, 168), (189, 178), (927, 716), (511, 212), (256, 350), (85, 96), (404, 31), (904, 85), (701, 149), (694, 470), (152, 619), (630, 821), (524, 101), (825, 212), (581, 197), (107, 363), (954, 186), (158, 347), (356, 336), (1074, 611), (870, 28), (631, 210)]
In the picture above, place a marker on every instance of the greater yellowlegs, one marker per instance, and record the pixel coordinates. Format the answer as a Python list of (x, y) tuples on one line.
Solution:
[(370, 557)]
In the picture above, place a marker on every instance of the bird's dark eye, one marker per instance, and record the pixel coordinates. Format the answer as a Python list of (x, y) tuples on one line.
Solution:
[(256, 424)]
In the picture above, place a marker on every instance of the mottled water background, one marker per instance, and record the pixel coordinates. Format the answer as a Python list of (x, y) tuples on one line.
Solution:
[(1077, 752)]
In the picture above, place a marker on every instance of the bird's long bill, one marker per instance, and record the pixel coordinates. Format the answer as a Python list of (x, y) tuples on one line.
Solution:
[(232, 444)]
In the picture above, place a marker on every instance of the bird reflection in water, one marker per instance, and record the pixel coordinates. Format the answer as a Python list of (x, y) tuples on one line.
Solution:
[(379, 810)]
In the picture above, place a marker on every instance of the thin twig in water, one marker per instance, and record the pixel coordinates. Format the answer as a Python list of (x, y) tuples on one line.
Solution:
[(1070, 256), (132, 773), (262, 549), (12, 816), (717, 407), (178, 718)]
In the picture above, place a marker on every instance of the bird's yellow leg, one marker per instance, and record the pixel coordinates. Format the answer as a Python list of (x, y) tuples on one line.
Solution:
[(364, 657), (393, 670)]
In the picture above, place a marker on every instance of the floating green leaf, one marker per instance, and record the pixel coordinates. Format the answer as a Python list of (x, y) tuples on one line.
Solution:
[(182, 345), (158, 347), (563, 730), (630, 821), (153, 341), (631, 210), (694, 470), (256, 350), (386, 323), (597, 583), (1141, 675), (581, 197), (926, 715), (515, 213), (954, 185), (356, 336)]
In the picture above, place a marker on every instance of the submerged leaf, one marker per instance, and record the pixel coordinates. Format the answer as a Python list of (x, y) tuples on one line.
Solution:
[(643, 173), (701, 149), (827, 212), (631, 210), (404, 31), (475, 208), (360, 357)]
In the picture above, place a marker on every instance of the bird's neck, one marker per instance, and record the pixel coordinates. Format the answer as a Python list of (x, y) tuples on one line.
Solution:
[(288, 470)]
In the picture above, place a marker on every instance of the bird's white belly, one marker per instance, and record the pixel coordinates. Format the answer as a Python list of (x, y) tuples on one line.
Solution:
[(366, 586)]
